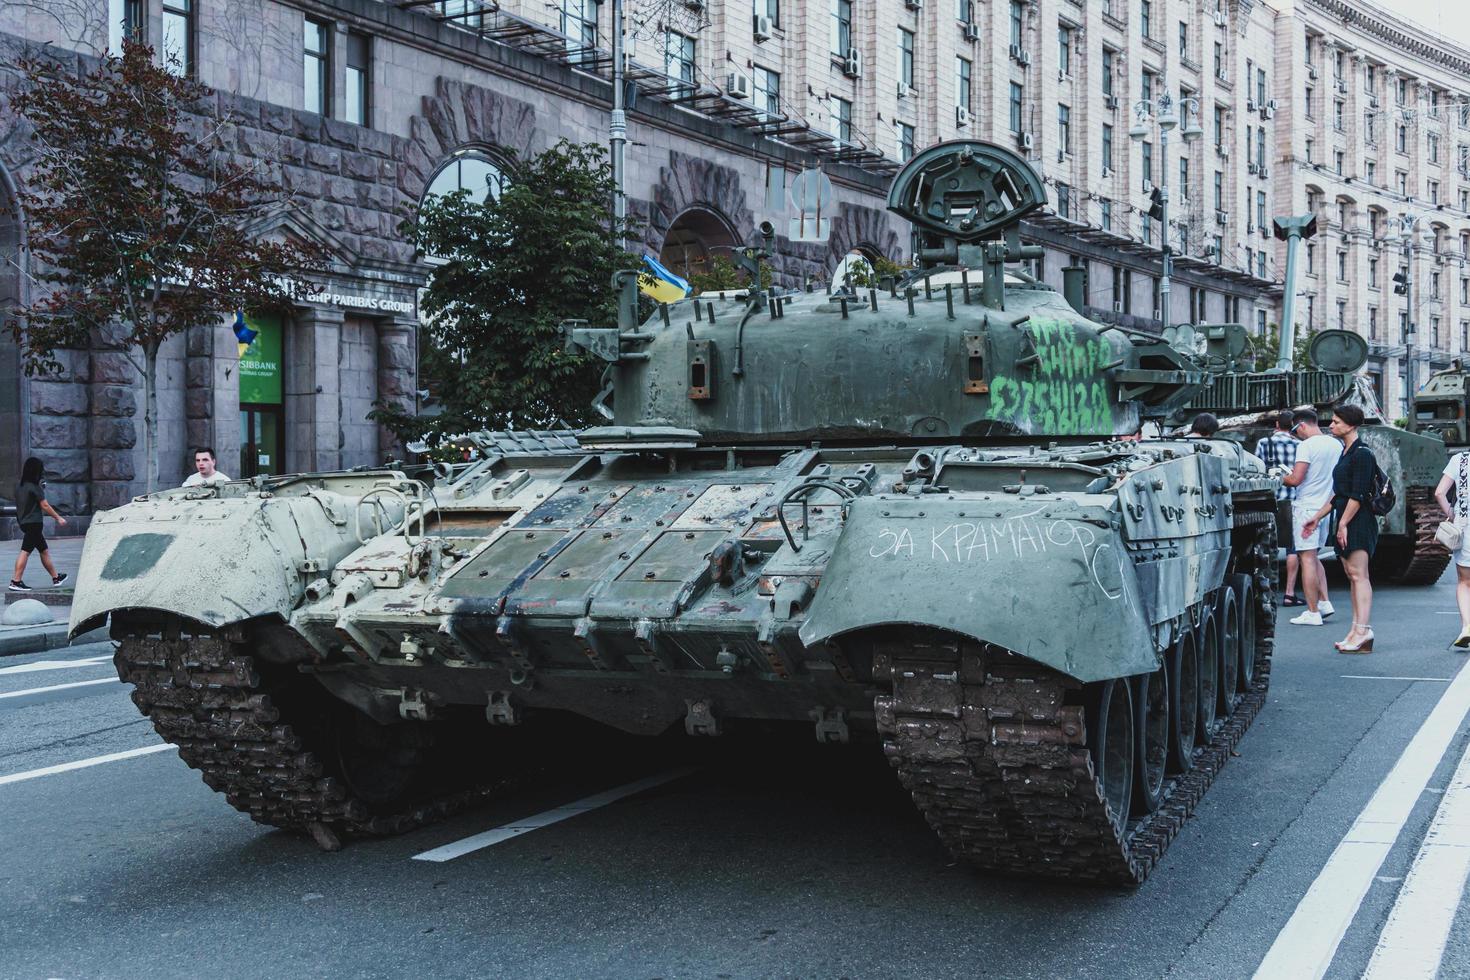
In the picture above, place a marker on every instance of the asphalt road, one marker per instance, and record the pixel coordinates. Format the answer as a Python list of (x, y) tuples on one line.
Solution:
[(767, 860)]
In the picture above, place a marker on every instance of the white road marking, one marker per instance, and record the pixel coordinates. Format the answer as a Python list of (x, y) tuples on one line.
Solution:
[(1306, 944), (546, 818), (57, 665), (59, 687), (1412, 942), (96, 760), (1374, 677)]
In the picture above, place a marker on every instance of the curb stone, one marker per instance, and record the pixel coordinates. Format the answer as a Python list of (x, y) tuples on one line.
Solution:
[(17, 640)]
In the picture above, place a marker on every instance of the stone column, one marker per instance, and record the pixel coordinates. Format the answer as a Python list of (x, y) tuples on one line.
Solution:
[(398, 373), (312, 391), (212, 392)]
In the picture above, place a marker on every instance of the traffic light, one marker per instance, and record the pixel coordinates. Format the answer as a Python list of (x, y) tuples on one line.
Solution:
[(1156, 204), (1401, 283)]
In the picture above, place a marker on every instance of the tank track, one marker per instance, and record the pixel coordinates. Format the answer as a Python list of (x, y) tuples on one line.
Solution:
[(1429, 557), (996, 759), (206, 695)]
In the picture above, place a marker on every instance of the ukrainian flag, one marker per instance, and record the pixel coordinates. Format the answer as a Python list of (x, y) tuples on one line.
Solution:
[(659, 284), (243, 332)]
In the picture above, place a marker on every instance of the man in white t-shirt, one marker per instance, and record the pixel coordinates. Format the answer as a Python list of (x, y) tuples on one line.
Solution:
[(1312, 477), (204, 472)]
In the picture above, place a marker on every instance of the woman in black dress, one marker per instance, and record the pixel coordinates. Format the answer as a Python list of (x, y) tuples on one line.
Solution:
[(1357, 525)]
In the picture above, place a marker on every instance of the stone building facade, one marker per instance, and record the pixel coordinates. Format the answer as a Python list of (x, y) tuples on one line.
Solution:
[(1382, 111), (367, 106)]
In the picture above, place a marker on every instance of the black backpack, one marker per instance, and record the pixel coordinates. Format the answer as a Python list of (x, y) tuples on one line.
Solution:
[(1383, 496)]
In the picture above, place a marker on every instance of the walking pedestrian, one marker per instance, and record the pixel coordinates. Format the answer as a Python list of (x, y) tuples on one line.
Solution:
[(30, 507), (1311, 475), (1354, 485), (1457, 475), (1278, 452)]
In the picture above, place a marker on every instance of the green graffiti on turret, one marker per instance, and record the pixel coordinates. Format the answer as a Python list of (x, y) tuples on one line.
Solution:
[(1065, 391)]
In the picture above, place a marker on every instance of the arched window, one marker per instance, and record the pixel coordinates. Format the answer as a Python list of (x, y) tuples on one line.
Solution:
[(469, 170)]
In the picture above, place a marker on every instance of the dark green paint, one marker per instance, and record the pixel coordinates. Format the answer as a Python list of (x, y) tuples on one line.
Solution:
[(135, 555)]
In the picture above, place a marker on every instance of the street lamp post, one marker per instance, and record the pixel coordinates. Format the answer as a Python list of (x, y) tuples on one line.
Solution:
[(618, 125), (1404, 285), (1143, 124)]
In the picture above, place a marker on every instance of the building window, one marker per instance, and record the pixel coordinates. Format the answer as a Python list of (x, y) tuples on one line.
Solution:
[(1146, 87), (1337, 161), (1310, 144), (1433, 148), (1147, 149), (1434, 331), (316, 68), (1016, 94), (906, 57), (1464, 292), (1107, 146), (1401, 143), (468, 171), (1155, 294), (1434, 280), (1342, 314), (1127, 291), (1145, 18), (1372, 323), (962, 83), (1260, 209), (1219, 61), (1183, 39), (1109, 66), (771, 8), (842, 120), (767, 85), (1064, 200), (1370, 173), (1184, 180), (1260, 86), (1018, 16), (1464, 335), (1342, 265), (1064, 128), (1064, 49), (1107, 214), (357, 104), (1217, 250), (1434, 192), (178, 36), (1401, 93), (579, 24), (125, 19), (1219, 191), (1219, 126), (1307, 103), (1261, 264), (1372, 272), (841, 27), (905, 142), (1403, 182), (1311, 259), (679, 57), (1337, 115)]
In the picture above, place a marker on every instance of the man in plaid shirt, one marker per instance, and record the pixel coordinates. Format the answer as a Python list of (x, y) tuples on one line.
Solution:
[(1279, 449)]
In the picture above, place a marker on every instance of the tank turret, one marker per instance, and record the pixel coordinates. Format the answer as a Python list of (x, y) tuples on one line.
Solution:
[(933, 357)]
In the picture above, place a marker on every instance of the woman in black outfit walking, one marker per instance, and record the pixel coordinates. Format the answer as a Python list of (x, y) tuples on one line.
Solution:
[(1357, 525)]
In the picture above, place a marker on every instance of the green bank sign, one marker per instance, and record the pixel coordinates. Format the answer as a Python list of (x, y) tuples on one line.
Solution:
[(260, 363)]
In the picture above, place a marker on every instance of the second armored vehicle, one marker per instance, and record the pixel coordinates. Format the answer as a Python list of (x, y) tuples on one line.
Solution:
[(916, 518)]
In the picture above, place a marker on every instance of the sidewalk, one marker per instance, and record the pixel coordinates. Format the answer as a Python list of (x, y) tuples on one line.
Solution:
[(66, 553)]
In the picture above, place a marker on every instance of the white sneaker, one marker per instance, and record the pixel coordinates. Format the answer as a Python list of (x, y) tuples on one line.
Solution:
[(1308, 618), (1325, 608)]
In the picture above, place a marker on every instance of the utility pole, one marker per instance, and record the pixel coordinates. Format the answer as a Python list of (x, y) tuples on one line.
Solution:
[(618, 127), (1404, 286), (1292, 231), (1142, 127)]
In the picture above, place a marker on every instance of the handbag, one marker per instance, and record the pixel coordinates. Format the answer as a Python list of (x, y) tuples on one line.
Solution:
[(1449, 534)]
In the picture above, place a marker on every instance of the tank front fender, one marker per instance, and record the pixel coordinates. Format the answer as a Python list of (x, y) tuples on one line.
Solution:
[(216, 561), (1047, 577)]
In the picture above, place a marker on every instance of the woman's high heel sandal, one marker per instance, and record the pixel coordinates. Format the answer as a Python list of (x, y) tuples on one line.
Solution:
[(1364, 644)]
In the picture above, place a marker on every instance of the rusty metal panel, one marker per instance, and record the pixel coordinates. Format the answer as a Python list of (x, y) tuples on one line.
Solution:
[(726, 505), (677, 556), (651, 505)]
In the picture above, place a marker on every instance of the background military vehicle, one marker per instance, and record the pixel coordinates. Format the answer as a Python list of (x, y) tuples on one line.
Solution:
[(1245, 398), (1441, 407), (913, 516)]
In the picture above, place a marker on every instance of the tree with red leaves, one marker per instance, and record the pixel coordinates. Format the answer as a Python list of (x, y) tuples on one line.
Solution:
[(140, 223)]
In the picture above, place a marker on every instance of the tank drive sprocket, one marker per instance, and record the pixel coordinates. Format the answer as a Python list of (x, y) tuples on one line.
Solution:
[(1426, 558)]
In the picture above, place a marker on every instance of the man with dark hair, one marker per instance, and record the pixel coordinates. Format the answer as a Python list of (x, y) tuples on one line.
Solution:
[(204, 472), (1204, 427), (1278, 452), (1311, 475)]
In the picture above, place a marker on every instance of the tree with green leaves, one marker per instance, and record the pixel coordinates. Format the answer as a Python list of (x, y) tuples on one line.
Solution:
[(724, 275), (509, 270), (140, 226)]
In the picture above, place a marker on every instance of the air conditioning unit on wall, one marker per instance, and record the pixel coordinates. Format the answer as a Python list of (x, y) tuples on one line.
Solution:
[(961, 116), (738, 87), (1026, 141), (852, 63), (764, 29)]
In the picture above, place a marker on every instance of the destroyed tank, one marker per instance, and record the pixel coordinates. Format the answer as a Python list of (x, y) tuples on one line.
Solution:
[(1245, 400), (915, 518)]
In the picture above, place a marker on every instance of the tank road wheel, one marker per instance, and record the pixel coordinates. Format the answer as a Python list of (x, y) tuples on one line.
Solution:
[(1227, 620), (1110, 718), (1152, 728), (1245, 597), (1183, 701), (1208, 645)]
